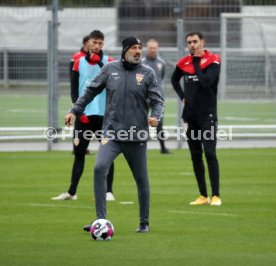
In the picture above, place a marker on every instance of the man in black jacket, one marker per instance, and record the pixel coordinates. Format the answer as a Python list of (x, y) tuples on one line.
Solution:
[(84, 51), (129, 85), (85, 69), (200, 71)]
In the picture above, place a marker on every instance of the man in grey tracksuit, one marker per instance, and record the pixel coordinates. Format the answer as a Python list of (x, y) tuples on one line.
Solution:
[(153, 60), (129, 84)]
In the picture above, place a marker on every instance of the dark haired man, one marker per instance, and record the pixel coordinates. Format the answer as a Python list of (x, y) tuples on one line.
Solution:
[(200, 71), (91, 120), (129, 84), (82, 52)]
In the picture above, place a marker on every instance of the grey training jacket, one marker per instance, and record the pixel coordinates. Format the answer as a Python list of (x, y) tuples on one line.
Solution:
[(159, 67), (127, 92)]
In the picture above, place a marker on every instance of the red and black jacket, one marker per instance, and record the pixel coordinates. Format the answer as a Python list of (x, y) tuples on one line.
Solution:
[(75, 57), (201, 77)]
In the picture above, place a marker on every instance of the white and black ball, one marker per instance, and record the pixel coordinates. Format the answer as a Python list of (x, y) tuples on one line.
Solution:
[(102, 229)]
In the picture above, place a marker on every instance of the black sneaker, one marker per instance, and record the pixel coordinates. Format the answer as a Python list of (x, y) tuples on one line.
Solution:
[(165, 151), (143, 228), (87, 227)]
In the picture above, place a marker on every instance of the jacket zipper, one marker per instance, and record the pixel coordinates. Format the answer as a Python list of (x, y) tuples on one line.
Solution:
[(125, 92)]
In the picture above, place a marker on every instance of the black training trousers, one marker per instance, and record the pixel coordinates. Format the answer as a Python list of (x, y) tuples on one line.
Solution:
[(202, 136), (81, 139)]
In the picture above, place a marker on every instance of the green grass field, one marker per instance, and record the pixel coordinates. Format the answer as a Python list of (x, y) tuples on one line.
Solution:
[(37, 231), (31, 111)]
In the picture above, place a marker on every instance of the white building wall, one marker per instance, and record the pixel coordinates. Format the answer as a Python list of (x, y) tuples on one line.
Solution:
[(26, 28), (259, 32)]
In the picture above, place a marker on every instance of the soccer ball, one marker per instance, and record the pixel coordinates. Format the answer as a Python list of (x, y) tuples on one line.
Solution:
[(102, 229)]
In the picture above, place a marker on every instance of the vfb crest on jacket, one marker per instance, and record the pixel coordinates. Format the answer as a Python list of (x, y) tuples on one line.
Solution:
[(139, 78)]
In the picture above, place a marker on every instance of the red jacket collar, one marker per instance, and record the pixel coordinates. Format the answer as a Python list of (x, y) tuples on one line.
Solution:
[(186, 63)]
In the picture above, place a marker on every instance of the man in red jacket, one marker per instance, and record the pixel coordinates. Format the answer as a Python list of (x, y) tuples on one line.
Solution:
[(85, 69), (82, 52), (200, 71)]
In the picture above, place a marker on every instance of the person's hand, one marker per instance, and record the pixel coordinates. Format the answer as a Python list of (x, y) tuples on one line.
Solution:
[(69, 119), (199, 52), (185, 127), (153, 122)]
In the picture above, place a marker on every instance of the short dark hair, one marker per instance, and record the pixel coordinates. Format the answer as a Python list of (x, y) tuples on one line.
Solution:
[(198, 33), (85, 39), (96, 34)]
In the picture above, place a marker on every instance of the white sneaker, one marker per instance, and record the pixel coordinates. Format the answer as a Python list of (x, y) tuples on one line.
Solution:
[(65, 196), (109, 196)]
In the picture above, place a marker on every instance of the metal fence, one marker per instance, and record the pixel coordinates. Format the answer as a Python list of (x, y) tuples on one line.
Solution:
[(248, 61), (25, 49)]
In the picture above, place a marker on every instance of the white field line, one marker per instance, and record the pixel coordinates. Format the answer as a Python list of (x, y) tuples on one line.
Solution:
[(204, 213), (70, 206), (28, 111), (187, 173), (57, 206), (126, 202), (236, 118)]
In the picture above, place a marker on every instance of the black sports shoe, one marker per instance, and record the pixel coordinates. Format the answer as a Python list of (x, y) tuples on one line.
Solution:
[(87, 227), (165, 151), (143, 228)]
